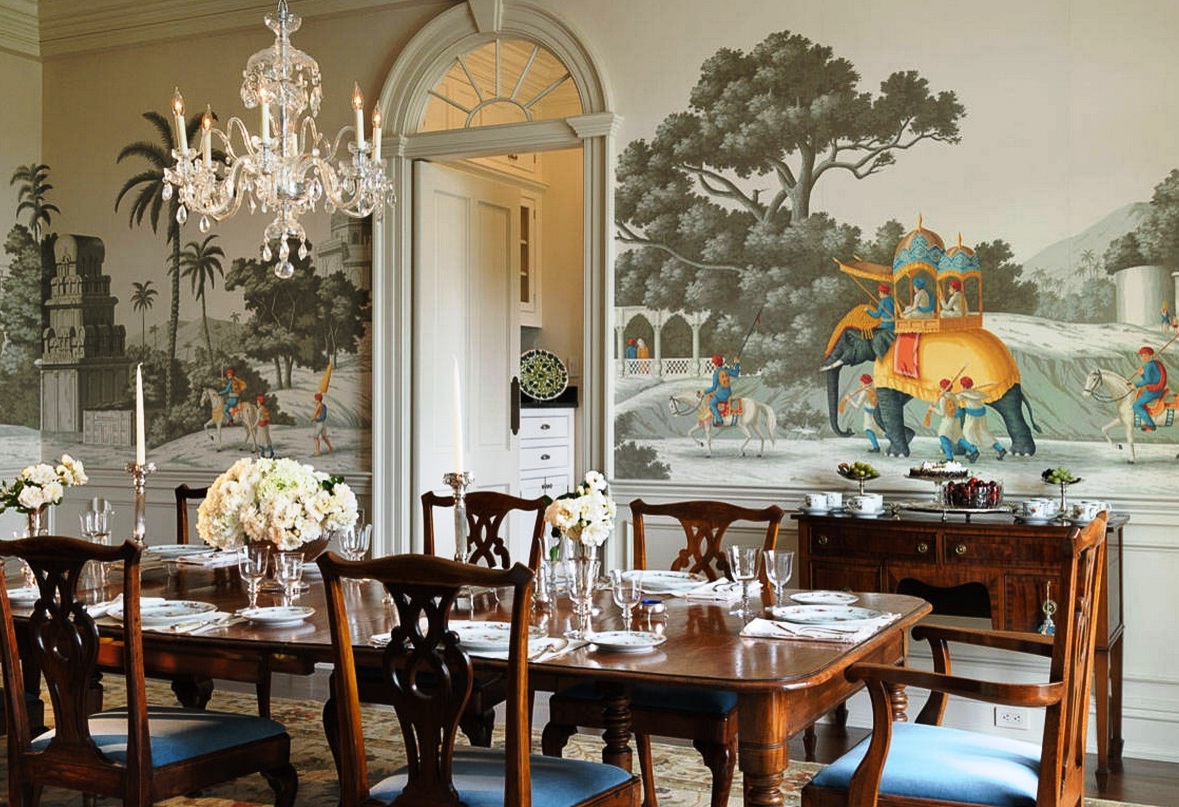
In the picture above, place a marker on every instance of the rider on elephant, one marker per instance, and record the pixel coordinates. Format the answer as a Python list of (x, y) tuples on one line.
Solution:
[(721, 389), (886, 312), (1151, 386), (954, 305), (922, 305), (234, 387)]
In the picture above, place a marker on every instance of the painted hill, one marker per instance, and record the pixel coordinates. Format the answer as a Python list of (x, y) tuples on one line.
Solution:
[(1060, 260)]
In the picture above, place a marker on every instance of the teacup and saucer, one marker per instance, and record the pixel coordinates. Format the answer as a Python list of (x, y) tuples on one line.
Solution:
[(1038, 511), (815, 504), (865, 505)]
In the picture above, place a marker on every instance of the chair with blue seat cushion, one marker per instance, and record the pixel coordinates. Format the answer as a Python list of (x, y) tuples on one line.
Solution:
[(706, 717), (925, 763), (427, 677), (141, 753)]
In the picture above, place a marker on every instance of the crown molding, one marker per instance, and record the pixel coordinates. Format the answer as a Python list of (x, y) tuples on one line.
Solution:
[(18, 27), (68, 26)]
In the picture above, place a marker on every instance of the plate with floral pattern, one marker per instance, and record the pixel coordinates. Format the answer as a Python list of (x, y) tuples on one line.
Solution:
[(168, 612), (542, 374), (824, 614)]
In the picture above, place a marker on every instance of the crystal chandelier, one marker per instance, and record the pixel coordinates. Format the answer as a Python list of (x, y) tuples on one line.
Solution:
[(289, 167)]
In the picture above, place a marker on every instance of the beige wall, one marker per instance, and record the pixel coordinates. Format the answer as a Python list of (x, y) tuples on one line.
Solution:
[(20, 128)]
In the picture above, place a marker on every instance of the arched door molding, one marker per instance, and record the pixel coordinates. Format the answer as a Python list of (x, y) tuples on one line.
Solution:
[(403, 100)]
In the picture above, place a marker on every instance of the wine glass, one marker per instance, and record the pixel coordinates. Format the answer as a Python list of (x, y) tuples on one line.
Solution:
[(743, 567), (779, 569), (252, 564), (288, 572), (627, 591)]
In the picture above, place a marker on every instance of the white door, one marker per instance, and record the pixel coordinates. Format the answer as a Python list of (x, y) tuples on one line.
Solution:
[(466, 309)]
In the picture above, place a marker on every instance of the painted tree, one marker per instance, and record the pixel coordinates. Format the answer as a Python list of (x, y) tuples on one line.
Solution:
[(201, 264), (717, 206), (149, 201), (340, 306), (1158, 233), (143, 297), (31, 196), (21, 300)]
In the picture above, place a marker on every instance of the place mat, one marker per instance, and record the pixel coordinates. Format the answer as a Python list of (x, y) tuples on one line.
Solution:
[(720, 590), (212, 559), (771, 629)]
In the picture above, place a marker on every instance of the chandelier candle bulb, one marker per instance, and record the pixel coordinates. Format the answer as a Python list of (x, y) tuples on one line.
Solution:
[(358, 107), (265, 105), (181, 127), (140, 442), (207, 137), (376, 135)]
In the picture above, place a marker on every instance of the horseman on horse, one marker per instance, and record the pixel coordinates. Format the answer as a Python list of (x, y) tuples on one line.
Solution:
[(721, 390), (232, 392)]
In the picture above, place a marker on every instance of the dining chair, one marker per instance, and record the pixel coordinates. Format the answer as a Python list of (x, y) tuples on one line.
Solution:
[(487, 512), (140, 753), (185, 495), (427, 675), (926, 763), (707, 718)]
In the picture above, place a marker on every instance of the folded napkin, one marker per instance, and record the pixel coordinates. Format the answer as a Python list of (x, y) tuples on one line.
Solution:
[(209, 560), (828, 632), (199, 624), (719, 590)]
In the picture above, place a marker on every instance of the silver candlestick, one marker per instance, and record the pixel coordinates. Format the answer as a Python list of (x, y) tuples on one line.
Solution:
[(459, 481), (139, 473)]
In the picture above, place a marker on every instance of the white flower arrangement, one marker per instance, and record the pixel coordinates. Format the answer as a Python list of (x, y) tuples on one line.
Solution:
[(42, 484), (585, 514), (279, 501)]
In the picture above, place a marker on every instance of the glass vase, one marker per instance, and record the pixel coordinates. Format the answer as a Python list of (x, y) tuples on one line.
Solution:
[(38, 522), (581, 576)]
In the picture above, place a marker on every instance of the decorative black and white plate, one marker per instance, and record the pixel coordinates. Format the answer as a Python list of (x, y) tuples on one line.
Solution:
[(542, 374)]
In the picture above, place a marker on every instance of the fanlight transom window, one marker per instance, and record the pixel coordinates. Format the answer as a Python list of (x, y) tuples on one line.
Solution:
[(504, 81)]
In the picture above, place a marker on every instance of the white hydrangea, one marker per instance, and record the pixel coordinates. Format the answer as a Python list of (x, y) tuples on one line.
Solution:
[(42, 484), (586, 514), (280, 501)]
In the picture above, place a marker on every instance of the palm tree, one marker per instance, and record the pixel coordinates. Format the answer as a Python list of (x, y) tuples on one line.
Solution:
[(201, 263), (149, 201), (32, 195), (142, 299)]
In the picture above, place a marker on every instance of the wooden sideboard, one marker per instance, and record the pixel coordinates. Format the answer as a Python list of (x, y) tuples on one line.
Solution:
[(990, 567)]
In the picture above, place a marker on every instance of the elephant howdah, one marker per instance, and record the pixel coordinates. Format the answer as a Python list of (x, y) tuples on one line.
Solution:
[(938, 355)]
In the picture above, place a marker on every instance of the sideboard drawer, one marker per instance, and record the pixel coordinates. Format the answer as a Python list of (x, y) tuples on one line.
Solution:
[(544, 458), (549, 426), (848, 540), (1026, 550)]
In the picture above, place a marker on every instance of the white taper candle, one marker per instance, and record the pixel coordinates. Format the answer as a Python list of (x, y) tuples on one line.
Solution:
[(140, 439), (458, 420)]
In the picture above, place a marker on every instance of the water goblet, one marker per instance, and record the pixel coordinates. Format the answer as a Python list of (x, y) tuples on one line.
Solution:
[(627, 591), (582, 576), (743, 567), (355, 541), (779, 569), (288, 572), (252, 564)]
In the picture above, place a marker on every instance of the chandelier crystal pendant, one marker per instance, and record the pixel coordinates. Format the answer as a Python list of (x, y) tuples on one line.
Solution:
[(288, 167)]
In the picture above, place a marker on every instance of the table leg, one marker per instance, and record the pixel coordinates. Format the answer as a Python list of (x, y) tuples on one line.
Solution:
[(1116, 741), (616, 719), (763, 752)]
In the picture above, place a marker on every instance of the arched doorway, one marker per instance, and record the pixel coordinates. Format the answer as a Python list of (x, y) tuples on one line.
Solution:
[(409, 102)]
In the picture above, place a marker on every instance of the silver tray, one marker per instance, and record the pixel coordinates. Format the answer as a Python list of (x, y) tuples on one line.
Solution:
[(948, 510)]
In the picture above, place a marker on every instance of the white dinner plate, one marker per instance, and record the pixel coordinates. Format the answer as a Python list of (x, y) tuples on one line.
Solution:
[(663, 581), (824, 597), (475, 636), (23, 596), (173, 551), (162, 614), (824, 614), (277, 616), (623, 641)]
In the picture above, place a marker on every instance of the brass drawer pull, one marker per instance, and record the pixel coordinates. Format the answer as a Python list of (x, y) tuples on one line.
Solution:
[(960, 549), (922, 548), (822, 540)]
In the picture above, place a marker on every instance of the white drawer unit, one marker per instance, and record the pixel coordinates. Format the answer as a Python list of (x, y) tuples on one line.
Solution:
[(546, 451)]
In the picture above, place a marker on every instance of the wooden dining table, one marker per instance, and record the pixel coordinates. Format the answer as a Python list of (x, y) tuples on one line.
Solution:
[(782, 685)]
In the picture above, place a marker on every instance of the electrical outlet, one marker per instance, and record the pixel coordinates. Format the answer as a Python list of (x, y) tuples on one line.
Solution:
[(1011, 717)]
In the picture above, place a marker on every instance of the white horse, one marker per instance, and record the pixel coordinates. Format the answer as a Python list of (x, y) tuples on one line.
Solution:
[(756, 419), (247, 415), (1109, 387)]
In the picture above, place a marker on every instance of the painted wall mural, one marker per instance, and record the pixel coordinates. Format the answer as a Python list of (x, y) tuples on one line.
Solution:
[(283, 371), (781, 340)]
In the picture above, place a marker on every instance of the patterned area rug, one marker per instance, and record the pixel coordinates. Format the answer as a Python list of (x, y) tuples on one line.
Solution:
[(682, 779)]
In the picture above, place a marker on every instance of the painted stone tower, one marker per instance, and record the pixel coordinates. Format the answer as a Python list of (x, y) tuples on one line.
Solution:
[(84, 367)]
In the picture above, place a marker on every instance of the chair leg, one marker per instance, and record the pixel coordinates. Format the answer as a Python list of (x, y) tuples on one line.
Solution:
[(478, 727), (646, 770), (555, 737), (720, 758), (262, 687), (284, 782), (808, 743), (331, 729)]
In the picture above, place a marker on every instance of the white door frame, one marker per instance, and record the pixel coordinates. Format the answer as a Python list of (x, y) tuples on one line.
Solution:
[(427, 57)]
